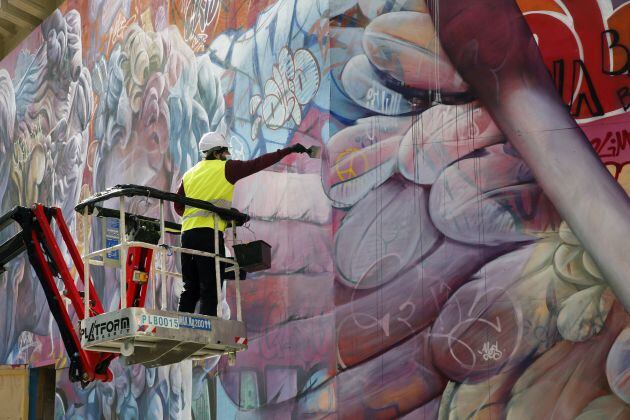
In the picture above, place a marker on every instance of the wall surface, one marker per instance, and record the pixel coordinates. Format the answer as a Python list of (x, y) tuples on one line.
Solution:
[(456, 251)]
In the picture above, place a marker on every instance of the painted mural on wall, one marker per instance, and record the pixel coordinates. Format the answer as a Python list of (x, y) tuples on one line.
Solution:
[(424, 267)]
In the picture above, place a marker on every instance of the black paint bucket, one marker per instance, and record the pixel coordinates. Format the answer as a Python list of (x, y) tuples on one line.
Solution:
[(253, 256)]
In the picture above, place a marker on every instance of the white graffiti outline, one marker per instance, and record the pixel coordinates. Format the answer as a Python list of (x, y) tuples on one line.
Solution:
[(490, 351), (198, 15), (294, 83)]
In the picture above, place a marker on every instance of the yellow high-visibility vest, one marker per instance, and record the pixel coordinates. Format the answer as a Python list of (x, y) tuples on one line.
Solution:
[(206, 181)]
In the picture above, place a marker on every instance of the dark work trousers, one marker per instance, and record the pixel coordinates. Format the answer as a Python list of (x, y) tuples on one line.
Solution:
[(198, 273)]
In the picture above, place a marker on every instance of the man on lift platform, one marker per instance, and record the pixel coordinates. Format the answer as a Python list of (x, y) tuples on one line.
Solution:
[(212, 180)]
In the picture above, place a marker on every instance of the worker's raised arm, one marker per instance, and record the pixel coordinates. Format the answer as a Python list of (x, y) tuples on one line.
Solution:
[(239, 169)]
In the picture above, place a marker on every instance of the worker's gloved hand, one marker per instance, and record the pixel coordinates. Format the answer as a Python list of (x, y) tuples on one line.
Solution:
[(298, 148), (241, 220)]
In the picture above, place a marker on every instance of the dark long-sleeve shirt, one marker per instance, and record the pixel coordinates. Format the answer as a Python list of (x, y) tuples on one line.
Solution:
[(239, 169)]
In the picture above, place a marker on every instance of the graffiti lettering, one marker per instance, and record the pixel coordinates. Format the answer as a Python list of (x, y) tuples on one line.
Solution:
[(377, 98), (412, 309), (588, 98), (490, 352), (347, 171), (440, 293), (198, 15), (119, 27), (613, 45), (294, 83), (594, 105), (613, 143)]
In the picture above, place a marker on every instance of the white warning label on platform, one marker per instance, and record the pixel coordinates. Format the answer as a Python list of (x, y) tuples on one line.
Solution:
[(195, 323)]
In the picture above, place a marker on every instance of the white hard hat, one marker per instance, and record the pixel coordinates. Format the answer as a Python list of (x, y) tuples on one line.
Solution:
[(210, 140)]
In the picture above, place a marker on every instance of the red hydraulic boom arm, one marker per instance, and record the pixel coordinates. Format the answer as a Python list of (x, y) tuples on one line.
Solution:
[(38, 239), (46, 257)]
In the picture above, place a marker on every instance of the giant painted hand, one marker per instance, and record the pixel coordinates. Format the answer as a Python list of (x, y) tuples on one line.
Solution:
[(493, 48), (378, 300), (416, 215)]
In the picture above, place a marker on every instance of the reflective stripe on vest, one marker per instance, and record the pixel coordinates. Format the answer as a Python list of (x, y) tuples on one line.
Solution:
[(206, 181)]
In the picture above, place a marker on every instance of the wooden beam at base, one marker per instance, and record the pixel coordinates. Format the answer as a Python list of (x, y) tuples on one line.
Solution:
[(5, 24), (18, 17), (41, 11), (5, 32)]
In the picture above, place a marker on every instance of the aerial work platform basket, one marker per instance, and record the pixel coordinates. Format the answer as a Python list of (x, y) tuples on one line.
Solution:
[(157, 336), (148, 335)]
